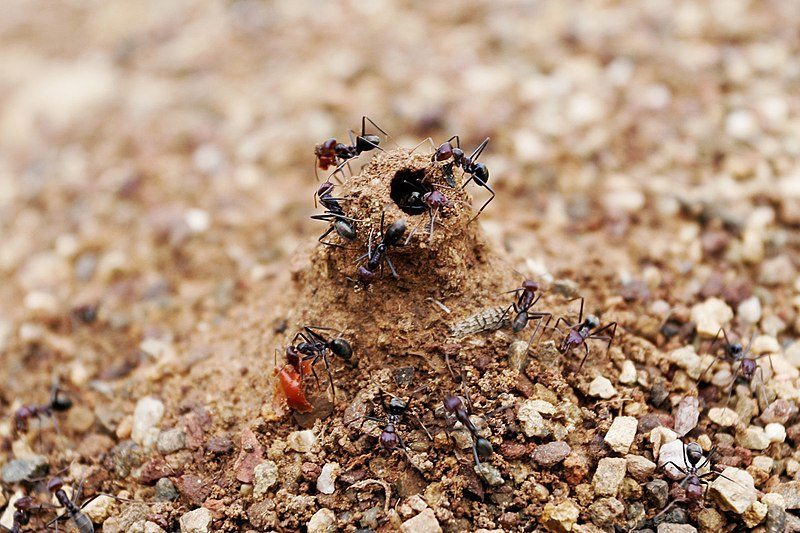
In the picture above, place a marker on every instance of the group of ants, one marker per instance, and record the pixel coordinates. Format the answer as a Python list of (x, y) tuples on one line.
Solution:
[(312, 344)]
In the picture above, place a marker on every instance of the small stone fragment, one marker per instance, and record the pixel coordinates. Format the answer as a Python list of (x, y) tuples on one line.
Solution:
[(710, 316), (628, 375), (424, 522), (659, 436), (723, 416), (80, 418), (657, 493), (734, 490), (533, 424), (99, 508), (197, 521), (518, 355), (755, 514), (193, 488), (326, 482), (749, 310), (639, 467), (606, 511), (171, 441), (165, 490), (779, 411), (621, 433), (560, 518), (18, 470), (601, 387), (490, 474), (265, 477), (775, 432), (608, 476), (675, 528), (753, 438), (301, 441), (686, 415), (250, 456), (323, 521), (551, 453), (146, 416)]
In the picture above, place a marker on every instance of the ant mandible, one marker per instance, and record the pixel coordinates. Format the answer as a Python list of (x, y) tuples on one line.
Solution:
[(526, 299), (343, 226), (395, 411), (584, 330), (313, 348), (375, 257), (736, 353), (58, 404), (477, 171), (331, 152)]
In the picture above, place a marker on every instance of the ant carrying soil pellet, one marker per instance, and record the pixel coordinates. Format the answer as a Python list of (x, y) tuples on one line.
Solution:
[(526, 299), (333, 153), (395, 410), (734, 352), (343, 225), (58, 404), (585, 330), (477, 171), (315, 347), (375, 257)]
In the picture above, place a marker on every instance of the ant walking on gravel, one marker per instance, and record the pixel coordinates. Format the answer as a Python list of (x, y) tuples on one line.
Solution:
[(375, 257), (736, 353), (395, 411), (526, 299), (58, 404), (477, 171), (343, 225), (333, 153), (585, 330), (313, 348)]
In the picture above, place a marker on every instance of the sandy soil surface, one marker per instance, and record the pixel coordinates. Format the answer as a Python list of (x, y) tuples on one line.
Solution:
[(157, 175)]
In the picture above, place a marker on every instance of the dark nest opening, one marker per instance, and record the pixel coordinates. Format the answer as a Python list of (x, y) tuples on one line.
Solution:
[(407, 190)]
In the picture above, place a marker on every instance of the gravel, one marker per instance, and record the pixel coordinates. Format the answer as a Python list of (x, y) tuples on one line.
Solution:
[(711, 315), (146, 417), (551, 453), (621, 433), (265, 477), (18, 470), (424, 522), (609, 475), (734, 490), (197, 521), (601, 387)]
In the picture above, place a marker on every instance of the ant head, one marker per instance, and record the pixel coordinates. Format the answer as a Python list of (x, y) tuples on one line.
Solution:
[(434, 199), (389, 439), (342, 348), (481, 173), (591, 321), (443, 152), (397, 406), (458, 154), (694, 453), (452, 403), (530, 285), (327, 146), (61, 402), (55, 484), (735, 350), (484, 448), (21, 417)]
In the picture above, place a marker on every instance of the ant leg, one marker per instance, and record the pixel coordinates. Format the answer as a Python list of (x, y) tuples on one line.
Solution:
[(432, 214), (413, 231), (762, 387), (477, 153), (487, 201), (540, 317), (330, 377), (457, 139), (391, 266), (369, 248), (585, 357), (580, 314), (363, 130), (430, 140), (503, 316), (613, 327)]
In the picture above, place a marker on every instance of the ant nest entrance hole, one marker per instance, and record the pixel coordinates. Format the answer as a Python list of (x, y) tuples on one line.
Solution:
[(407, 189)]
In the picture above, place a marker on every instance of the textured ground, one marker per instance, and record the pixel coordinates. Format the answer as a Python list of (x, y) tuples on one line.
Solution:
[(156, 162)]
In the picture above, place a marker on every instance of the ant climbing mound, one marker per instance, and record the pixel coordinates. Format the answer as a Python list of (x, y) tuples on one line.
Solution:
[(734, 352), (526, 299), (477, 171), (585, 330), (344, 226), (375, 257), (333, 153)]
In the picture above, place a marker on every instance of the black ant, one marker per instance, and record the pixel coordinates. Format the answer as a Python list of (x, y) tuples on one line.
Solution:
[(433, 201), (748, 366), (22, 514), (395, 411), (477, 171), (375, 257), (584, 330), (73, 512), (342, 224), (313, 348), (481, 447), (526, 299), (58, 403), (331, 152)]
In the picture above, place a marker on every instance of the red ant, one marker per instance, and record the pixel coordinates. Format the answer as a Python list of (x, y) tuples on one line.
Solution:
[(477, 171), (584, 330), (331, 152), (342, 224), (58, 404), (396, 409), (526, 299), (375, 257), (313, 348), (748, 366)]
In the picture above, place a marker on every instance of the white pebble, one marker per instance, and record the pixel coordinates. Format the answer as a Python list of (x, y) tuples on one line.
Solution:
[(775, 432), (660, 436), (621, 433), (628, 374), (265, 477), (197, 521), (326, 482), (710, 316), (734, 490), (323, 521), (99, 508), (723, 416), (749, 311), (146, 416), (602, 387), (741, 124), (301, 441), (197, 220)]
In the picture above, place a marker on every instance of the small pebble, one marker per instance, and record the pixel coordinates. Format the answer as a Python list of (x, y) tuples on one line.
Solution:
[(560, 518), (628, 375), (165, 490), (18, 470), (709, 519), (675, 528), (606, 511), (779, 412), (80, 418), (146, 416), (601, 387), (551, 453), (608, 476), (265, 477), (424, 522), (755, 514), (710, 316), (621, 433), (301, 441), (749, 310), (518, 355), (657, 493), (776, 271), (775, 432), (734, 490), (490, 474), (753, 438), (659, 436), (171, 441), (640, 468), (533, 425), (99, 508), (197, 521), (723, 416), (686, 415), (326, 482)]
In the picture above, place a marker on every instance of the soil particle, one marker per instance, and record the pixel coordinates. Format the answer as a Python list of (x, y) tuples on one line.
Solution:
[(193, 489), (551, 454)]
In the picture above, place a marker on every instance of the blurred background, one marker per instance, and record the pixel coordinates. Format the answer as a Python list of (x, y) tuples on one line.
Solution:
[(158, 156)]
